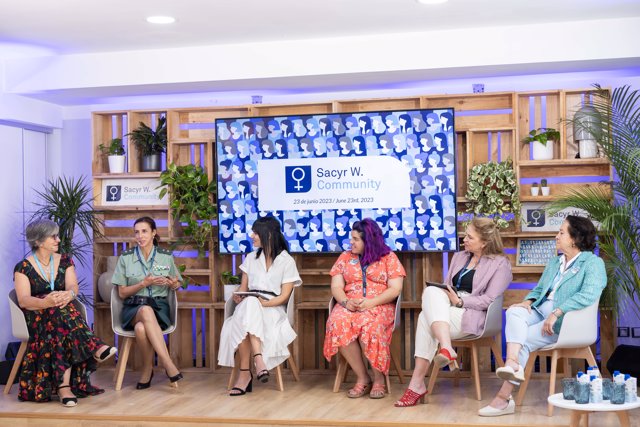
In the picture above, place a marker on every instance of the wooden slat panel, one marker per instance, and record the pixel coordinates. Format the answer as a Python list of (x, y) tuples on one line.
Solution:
[(470, 102), (483, 122), (378, 105)]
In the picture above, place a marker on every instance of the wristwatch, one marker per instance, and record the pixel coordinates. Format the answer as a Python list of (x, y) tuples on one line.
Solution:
[(460, 303), (557, 312), (73, 294), (344, 303)]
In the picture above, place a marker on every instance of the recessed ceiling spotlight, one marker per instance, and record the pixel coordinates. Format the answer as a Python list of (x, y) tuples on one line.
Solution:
[(161, 19), (431, 1)]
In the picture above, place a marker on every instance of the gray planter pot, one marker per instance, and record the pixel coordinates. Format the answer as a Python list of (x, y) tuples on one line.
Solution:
[(151, 163)]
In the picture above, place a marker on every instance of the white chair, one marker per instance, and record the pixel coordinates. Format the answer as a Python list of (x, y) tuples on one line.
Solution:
[(492, 327), (130, 336), (21, 332), (230, 306), (343, 366), (579, 331)]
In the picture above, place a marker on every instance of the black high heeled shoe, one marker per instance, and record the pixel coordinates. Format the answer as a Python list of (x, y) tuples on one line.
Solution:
[(69, 402), (263, 376), (142, 386), (247, 389), (174, 379)]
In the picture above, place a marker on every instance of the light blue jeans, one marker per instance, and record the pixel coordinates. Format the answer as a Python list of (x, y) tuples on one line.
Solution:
[(525, 328)]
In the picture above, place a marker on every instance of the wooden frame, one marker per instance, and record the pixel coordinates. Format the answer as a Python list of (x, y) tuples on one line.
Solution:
[(535, 251)]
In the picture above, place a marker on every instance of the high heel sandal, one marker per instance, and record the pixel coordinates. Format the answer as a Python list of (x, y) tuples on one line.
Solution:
[(174, 379), (142, 386), (263, 375), (69, 402), (444, 358), (410, 398), (247, 389), (106, 354)]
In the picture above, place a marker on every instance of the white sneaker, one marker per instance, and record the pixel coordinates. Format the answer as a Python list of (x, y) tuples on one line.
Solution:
[(508, 374), (490, 411)]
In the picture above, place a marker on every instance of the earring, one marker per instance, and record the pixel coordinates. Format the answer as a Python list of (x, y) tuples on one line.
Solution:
[(573, 245)]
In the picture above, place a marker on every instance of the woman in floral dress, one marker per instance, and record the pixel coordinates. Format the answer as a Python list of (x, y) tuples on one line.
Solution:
[(363, 318), (62, 351)]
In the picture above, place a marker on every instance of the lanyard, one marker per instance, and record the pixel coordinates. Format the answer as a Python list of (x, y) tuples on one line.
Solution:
[(463, 272), (52, 284), (364, 279), (144, 267)]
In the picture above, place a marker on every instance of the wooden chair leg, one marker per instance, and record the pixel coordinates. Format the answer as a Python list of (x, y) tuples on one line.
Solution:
[(279, 378), (552, 380), (387, 379), (122, 361), (16, 365), (396, 367), (497, 353), (341, 371), (294, 368), (527, 376), (589, 357), (432, 381), (475, 371)]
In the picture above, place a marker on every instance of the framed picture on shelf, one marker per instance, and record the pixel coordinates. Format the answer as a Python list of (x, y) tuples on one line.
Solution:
[(535, 251)]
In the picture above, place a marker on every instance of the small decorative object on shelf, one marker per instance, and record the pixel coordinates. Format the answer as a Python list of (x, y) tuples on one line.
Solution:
[(544, 188), (115, 152), (104, 281), (230, 283), (150, 144), (535, 190), (587, 130), (542, 140)]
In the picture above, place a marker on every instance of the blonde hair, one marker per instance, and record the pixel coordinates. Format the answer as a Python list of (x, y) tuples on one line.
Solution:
[(490, 234)]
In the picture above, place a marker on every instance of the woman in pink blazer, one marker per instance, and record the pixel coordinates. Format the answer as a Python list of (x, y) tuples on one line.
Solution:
[(476, 277)]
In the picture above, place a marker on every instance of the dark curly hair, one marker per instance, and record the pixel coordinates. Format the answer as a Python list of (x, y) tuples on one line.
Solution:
[(583, 232)]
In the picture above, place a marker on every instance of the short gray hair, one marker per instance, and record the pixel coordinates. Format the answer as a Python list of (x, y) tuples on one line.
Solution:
[(38, 231)]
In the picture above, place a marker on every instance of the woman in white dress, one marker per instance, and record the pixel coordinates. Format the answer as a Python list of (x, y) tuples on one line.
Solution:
[(259, 325)]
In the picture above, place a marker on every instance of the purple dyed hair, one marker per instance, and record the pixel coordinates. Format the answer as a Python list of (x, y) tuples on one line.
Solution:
[(374, 245)]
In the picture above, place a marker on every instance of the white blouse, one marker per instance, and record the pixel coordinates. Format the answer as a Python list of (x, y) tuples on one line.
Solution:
[(282, 270)]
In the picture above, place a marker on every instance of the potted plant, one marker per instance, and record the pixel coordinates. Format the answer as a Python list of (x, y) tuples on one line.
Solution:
[(535, 190), (544, 188), (230, 283), (115, 152), (191, 203), (150, 143), (542, 140), (493, 192)]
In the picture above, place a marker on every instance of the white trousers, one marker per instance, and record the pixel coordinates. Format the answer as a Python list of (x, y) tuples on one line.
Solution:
[(525, 328), (436, 307)]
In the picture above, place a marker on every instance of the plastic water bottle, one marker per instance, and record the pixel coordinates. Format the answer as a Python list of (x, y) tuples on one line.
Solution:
[(593, 371), (630, 389), (595, 389)]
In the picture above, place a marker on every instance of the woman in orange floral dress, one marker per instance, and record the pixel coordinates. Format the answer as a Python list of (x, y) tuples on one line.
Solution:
[(362, 319)]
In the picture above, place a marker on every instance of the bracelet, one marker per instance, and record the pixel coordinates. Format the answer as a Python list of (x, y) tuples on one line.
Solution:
[(344, 303), (460, 303), (73, 294)]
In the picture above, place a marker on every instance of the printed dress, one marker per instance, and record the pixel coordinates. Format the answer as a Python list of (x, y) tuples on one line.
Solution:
[(270, 324), (374, 327), (59, 338)]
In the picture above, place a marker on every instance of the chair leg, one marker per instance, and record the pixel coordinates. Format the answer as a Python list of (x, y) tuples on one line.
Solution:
[(527, 376), (475, 371), (497, 353), (16, 365), (387, 379), (432, 381), (122, 361), (552, 380), (341, 370), (279, 378), (294, 367), (396, 367)]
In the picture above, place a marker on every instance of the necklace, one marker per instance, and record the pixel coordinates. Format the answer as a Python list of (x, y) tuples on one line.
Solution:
[(42, 262)]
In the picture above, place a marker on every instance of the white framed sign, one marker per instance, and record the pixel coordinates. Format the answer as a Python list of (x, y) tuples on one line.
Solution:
[(536, 217), (132, 192)]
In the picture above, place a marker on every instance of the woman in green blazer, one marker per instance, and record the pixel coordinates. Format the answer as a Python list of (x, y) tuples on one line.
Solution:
[(571, 281)]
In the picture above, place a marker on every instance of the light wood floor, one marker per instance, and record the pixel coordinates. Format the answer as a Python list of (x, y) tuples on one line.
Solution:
[(202, 399)]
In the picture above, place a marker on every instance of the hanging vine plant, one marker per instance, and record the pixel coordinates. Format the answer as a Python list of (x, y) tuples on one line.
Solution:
[(493, 192)]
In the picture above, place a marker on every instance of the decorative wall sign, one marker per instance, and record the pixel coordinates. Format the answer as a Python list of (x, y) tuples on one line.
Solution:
[(132, 192), (537, 218), (535, 251)]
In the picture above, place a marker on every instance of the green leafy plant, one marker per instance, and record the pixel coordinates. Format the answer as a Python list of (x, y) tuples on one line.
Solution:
[(228, 278), (493, 191), (543, 182), (191, 202), (114, 148), (68, 202), (150, 141), (542, 135), (614, 204)]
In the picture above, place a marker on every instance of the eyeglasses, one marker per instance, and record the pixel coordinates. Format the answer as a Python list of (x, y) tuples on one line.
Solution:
[(55, 236)]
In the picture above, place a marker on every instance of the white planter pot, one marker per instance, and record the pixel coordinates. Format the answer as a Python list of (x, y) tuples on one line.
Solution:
[(229, 290), (535, 190), (104, 281), (588, 148), (542, 152), (116, 164), (545, 191)]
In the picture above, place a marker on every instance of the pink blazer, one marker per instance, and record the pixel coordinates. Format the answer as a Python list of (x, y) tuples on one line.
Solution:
[(492, 277)]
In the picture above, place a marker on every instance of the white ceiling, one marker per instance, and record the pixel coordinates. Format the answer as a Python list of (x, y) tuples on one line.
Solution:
[(70, 32)]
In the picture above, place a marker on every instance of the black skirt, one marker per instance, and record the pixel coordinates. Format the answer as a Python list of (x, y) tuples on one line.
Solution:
[(161, 310)]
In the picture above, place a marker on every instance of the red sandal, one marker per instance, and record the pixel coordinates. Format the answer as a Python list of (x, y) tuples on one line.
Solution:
[(444, 358), (378, 391), (359, 390), (410, 398)]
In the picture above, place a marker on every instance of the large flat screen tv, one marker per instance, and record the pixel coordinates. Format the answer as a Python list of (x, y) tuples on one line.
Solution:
[(318, 174)]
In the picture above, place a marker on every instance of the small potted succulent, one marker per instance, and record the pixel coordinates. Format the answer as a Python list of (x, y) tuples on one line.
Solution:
[(115, 152), (544, 188), (535, 190), (230, 283), (150, 143), (542, 140)]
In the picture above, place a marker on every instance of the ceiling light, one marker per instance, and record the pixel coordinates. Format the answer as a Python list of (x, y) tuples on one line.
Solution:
[(431, 1), (161, 19)]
